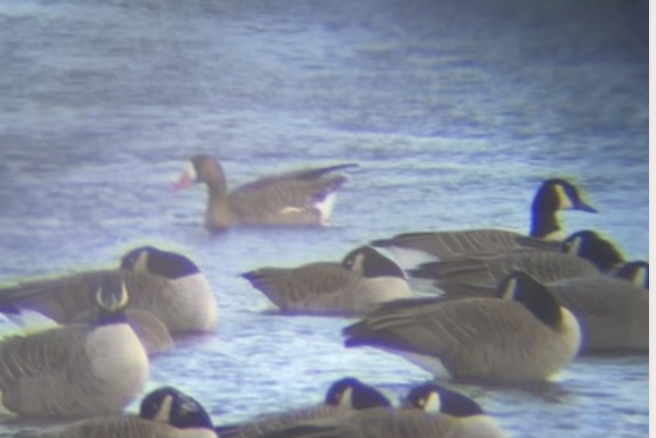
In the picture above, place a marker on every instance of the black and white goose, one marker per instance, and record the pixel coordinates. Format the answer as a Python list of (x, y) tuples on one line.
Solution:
[(525, 335), (166, 285), (552, 196), (164, 413), (344, 397), (433, 411), (363, 279), (78, 370), (298, 197)]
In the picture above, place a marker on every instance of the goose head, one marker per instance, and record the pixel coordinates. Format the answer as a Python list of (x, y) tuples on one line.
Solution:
[(167, 264), (431, 397), (369, 262), (350, 392), (171, 406)]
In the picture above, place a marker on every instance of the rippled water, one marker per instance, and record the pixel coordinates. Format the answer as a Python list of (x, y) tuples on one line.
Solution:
[(454, 110)]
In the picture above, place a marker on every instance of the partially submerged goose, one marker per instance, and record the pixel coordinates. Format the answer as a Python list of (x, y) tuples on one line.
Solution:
[(433, 412), (552, 196), (166, 284), (76, 370), (344, 397), (364, 279), (164, 413), (523, 336), (299, 197)]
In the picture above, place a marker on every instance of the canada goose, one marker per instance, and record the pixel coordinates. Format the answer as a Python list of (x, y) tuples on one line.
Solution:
[(524, 336), (613, 312), (344, 396), (433, 412), (582, 253), (364, 278), (164, 413), (166, 284), (76, 370), (552, 195), (637, 272), (299, 197)]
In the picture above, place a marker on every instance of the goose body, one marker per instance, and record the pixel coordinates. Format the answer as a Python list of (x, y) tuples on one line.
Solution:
[(613, 312), (552, 196), (344, 397), (299, 197), (165, 413), (165, 284), (364, 279), (524, 336), (433, 412), (77, 370)]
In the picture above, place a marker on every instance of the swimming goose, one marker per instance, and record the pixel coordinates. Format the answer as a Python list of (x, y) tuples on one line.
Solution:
[(344, 397), (166, 284), (524, 335), (164, 413), (77, 370), (613, 312), (582, 253), (364, 278), (552, 196), (433, 412), (299, 197)]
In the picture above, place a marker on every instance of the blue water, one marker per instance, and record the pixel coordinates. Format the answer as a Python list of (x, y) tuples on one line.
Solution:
[(454, 110)]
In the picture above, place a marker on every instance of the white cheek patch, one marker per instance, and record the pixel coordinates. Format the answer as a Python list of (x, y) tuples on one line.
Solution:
[(564, 201), (509, 291), (164, 412), (575, 247), (640, 277), (433, 403), (346, 400)]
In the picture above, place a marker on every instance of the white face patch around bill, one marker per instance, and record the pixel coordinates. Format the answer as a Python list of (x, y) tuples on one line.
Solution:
[(564, 201)]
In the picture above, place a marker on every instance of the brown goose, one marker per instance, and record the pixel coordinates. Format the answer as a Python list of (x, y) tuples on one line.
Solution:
[(525, 335), (77, 370), (552, 196), (166, 284), (299, 197), (364, 279), (164, 413), (432, 412), (344, 397)]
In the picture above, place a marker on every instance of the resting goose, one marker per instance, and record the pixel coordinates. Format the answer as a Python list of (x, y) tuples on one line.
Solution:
[(552, 196), (164, 413), (344, 397), (523, 336), (432, 412), (299, 197), (166, 284), (364, 278), (582, 253), (77, 370)]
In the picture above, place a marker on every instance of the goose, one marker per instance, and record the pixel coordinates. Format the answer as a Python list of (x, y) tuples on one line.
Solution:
[(637, 272), (164, 413), (613, 312), (583, 253), (345, 396), (77, 370), (524, 335), (432, 411), (299, 197), (364, 278), (166, 284), (545, 234)]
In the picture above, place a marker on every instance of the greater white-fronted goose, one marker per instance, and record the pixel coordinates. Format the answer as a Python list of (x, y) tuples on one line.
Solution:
[(344, 397), (523, 336), (364, 279), (77, 370), (166, 284), (164, 413), (433, 412), (545, 234), (298, 197)]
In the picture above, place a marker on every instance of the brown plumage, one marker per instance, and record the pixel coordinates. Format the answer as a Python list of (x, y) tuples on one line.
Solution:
[(298, 197)]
